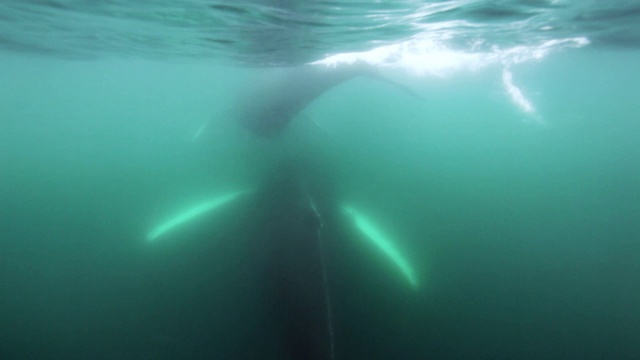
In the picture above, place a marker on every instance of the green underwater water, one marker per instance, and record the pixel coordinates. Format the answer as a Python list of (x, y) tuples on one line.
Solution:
[(525, 238)]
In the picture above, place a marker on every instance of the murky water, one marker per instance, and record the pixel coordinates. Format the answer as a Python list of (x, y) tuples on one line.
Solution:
[(490, 150)]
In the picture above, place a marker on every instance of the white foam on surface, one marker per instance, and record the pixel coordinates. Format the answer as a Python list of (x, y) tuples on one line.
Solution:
[(422, 57)]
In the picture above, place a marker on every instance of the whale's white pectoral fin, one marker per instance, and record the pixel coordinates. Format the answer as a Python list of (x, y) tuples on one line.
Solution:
[(192, 213), (368, 228)]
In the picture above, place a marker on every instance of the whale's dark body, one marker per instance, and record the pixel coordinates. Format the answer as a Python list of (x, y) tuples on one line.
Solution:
[(273, 101), (289, 220)]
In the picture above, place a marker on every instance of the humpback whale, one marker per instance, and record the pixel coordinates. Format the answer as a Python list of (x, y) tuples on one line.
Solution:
[(294, 216), (290, 211)]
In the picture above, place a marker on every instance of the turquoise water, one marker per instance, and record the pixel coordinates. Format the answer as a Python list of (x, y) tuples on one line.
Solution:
[(520, 223)]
